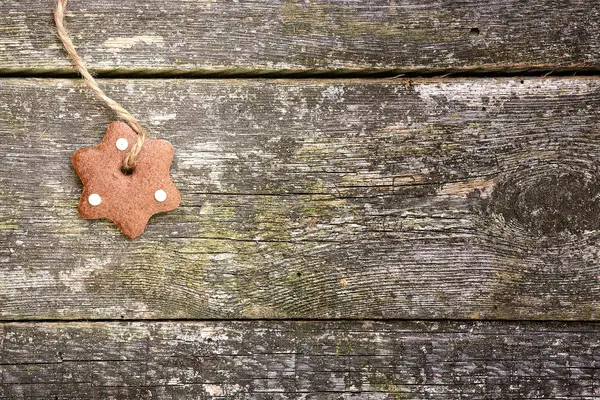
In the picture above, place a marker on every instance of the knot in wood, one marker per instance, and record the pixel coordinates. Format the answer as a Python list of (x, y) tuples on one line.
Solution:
[(549, 202)]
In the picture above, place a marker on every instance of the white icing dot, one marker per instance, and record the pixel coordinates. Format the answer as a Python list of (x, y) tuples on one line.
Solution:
[(160, 195), (122, 144), (94, 199)]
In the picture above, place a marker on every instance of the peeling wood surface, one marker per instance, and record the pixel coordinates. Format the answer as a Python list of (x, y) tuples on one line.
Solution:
[(253, 37), (466, 198), (308, 360)]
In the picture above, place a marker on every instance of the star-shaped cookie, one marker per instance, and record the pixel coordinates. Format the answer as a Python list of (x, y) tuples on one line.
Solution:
[(128, 200)]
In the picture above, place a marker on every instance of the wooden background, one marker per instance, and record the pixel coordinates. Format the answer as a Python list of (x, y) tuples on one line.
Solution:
[(380, 200)]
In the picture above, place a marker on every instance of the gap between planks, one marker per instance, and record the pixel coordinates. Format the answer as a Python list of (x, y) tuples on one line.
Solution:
[(373, 73), (298, 320)]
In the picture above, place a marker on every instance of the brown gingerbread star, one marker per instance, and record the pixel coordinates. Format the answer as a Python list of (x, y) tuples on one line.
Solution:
[(127, 199)]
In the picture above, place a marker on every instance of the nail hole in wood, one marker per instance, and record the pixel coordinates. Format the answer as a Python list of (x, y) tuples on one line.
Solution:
[(474, 31)]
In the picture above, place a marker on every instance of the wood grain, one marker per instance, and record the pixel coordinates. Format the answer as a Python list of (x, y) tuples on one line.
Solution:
[(467, 198), (291, 36), (292, 360)]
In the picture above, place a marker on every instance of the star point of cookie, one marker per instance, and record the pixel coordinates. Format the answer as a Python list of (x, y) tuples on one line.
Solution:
[(128, 200)]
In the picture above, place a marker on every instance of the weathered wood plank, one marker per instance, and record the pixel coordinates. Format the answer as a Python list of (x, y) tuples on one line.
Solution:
[(180, 36), (291, 360), (426, 199)]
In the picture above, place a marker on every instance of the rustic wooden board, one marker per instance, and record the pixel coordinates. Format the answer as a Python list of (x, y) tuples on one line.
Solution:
[(291, 360), (255, 37), (470, 198)]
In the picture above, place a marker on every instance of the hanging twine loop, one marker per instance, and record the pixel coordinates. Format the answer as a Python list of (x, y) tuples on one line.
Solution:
[(63, 34)]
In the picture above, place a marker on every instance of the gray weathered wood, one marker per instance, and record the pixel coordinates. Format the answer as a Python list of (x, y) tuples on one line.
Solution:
[(308, 360), (426, 199), (254, 37)]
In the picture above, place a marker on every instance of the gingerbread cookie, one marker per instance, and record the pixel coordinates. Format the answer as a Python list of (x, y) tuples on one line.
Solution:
[(127, 199)]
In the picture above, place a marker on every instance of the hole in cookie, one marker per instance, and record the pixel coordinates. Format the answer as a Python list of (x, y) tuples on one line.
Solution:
[(127, 171)]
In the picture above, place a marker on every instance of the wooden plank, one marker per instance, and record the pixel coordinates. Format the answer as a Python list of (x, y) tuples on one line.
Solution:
[(290, 360), (471, 198), (255, 37)]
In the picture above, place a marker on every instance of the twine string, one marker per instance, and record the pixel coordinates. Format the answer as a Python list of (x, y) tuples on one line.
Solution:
[(63, 34)]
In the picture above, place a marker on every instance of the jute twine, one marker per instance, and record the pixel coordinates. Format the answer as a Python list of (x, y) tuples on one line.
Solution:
[(63, 34)]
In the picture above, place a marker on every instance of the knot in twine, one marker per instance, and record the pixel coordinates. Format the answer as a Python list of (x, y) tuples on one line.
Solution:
[(63, 34)]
